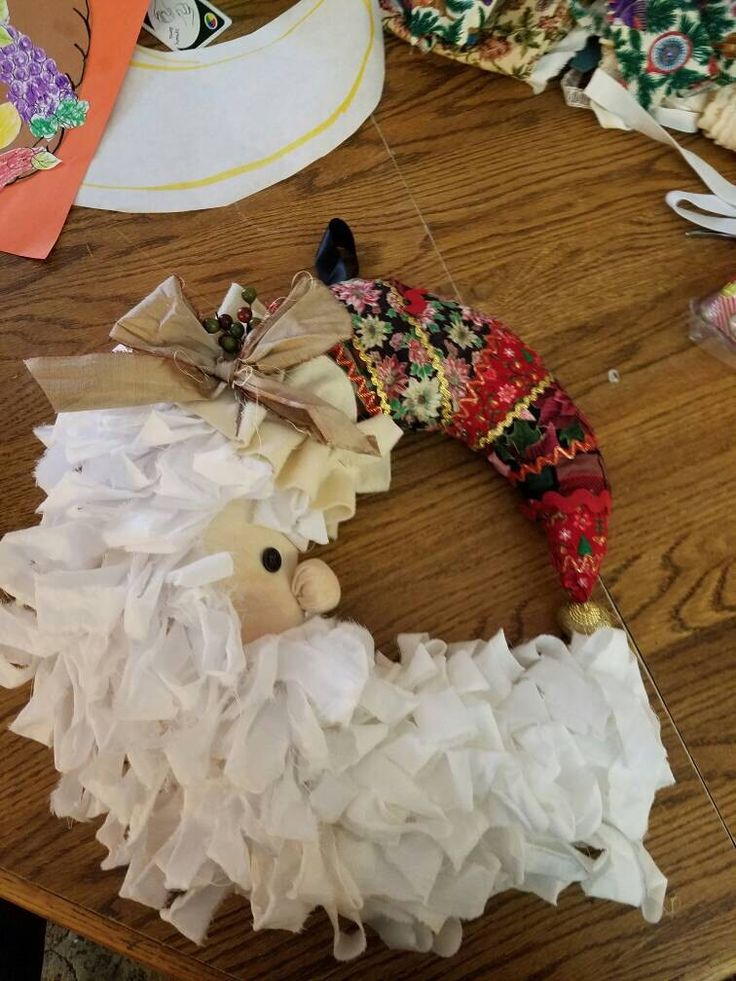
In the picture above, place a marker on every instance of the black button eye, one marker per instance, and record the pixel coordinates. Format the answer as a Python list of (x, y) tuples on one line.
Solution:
[(271, 559)]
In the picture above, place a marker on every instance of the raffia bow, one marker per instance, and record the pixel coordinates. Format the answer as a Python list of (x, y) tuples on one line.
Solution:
[(176, 360)]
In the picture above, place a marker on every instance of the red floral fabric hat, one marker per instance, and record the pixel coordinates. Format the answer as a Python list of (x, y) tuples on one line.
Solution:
[(434, 364)]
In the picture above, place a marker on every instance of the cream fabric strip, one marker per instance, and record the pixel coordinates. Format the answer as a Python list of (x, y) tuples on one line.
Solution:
[(202, 129), (328, 478), (719, 207)]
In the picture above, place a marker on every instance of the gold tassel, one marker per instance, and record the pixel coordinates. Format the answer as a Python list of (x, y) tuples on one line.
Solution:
[(584, 618)]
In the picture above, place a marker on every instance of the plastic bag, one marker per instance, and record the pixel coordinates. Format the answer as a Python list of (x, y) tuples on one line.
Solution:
[(713, 323)]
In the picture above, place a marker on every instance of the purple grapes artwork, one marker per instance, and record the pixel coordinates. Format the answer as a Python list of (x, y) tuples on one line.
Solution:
[(43, 96)]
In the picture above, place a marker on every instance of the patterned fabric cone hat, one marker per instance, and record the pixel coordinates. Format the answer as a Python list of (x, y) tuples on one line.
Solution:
[(434, 364)]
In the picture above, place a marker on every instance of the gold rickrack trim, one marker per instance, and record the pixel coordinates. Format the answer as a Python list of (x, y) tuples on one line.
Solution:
[(371, 369), (514, 413), (367, 396), (559, 453), (439, 371), (578, 563)]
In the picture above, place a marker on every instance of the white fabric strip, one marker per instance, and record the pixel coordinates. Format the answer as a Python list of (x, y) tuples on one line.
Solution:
[(721, 204), (684, 120), (552, 63)]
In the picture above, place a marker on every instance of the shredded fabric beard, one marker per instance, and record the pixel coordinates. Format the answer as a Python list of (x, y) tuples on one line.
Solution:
[(399, 796)]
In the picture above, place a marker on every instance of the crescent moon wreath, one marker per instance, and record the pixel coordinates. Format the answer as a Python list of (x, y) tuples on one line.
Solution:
[(224, 734)]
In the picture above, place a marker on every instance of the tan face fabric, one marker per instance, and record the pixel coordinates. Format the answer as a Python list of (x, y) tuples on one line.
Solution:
[(268, 598)]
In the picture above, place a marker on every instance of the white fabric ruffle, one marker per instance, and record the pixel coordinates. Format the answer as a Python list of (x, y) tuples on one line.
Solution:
[(313, 772)]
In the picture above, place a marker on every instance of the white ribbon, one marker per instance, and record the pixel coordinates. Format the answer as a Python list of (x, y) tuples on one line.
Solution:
[(715, 212)]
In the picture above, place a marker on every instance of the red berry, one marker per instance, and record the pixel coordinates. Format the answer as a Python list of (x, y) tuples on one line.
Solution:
[(245, 315)]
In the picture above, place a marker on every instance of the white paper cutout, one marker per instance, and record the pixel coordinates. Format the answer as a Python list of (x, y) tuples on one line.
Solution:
[(193, 130)]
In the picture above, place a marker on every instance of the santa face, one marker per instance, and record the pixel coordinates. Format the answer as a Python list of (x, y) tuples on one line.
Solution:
[(270, 589)]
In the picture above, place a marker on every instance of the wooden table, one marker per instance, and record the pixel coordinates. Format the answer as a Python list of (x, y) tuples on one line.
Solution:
[(473, 187)]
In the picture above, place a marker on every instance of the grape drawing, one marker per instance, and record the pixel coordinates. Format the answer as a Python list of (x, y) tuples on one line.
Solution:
[(41, 67)]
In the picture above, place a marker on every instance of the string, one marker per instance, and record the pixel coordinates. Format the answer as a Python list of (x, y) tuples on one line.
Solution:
[(181, 358)]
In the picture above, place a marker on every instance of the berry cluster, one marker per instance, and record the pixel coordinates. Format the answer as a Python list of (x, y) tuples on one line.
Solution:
[(232, 331)]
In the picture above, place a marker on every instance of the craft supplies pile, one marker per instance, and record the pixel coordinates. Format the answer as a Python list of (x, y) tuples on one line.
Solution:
[(309, 79), (60, 75), (676, 57), (235, 740)]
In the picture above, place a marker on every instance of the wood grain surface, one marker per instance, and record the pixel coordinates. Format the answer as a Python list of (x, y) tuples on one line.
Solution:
[(472, 187)]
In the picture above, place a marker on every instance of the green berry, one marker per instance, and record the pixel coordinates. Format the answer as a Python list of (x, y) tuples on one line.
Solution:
[(211, 325), (249, 294), (228, 344), (236, 331)]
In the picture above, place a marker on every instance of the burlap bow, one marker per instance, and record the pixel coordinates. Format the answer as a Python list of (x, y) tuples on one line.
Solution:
[(178, 361)]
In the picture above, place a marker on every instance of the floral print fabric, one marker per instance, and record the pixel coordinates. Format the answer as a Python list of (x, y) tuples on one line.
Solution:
[(662, 48), (667, 48), (504, 36), (435, 364), (453, 22)]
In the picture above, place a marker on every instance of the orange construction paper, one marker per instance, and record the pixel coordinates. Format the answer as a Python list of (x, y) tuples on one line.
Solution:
[(33, 211)]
